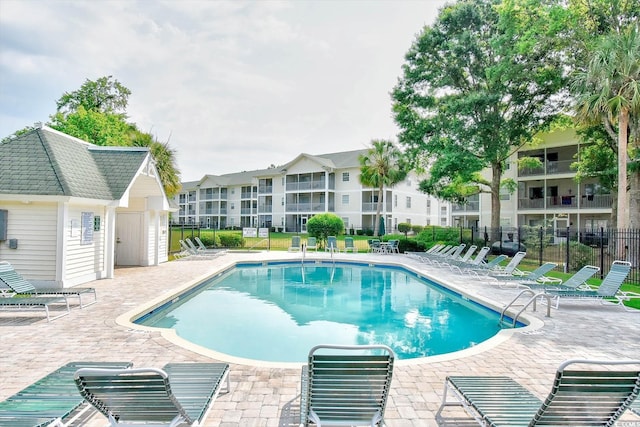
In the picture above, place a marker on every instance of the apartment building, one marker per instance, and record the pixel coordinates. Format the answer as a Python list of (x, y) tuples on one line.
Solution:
[(285, 197), (547, 196)]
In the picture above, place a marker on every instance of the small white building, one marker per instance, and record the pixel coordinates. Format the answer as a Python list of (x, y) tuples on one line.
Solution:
[(71, 211), (285, 197)]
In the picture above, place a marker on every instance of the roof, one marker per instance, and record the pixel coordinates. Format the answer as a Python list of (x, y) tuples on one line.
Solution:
[(51, 163), (339, 160)]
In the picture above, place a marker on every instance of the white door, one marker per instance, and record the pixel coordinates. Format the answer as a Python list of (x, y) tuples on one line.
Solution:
[(303, 223), (129, 239)]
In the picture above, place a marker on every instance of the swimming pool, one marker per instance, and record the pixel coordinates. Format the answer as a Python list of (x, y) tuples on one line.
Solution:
[(277, 311)]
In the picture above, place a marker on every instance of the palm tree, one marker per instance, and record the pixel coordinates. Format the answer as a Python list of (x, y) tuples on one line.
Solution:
[(609, 93), (381, 167)]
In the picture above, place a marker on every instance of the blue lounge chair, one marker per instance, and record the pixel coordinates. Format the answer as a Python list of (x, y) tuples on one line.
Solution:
[(578, 397), (530, 278), (50, 400), (346, 385), (312, 244), (295, 245), (332, 244), (349, 245), (577, 281), (609, 289), (12, 279), (178, 393)]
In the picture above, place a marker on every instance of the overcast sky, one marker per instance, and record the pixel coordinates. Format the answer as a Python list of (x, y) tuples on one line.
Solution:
[(232, 86)]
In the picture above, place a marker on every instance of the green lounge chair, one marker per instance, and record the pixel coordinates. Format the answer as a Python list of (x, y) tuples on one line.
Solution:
[(533, 278), (609, 289), (332, 244), (584, 393), (484, 268), (349, 245), (178, 393), (29, 303), (11, 278), (312, 244), (50, 400), (295, 245), (346, 385), (577, 281)]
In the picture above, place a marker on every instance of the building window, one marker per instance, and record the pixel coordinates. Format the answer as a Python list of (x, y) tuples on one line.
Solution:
[(395, 200), (408, 221), (443, 210), (504, 194), (345, 199), (346, 222), (408, 202), (345, 176), (443, 221)]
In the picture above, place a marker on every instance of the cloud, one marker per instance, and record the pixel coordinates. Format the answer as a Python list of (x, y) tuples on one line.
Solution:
[(233, 85)]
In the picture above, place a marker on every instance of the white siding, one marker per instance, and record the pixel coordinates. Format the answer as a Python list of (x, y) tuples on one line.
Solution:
[(82, 261), (34, 225)]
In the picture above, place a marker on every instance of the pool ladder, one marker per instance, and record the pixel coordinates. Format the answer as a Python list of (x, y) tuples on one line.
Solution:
[(533, 300)]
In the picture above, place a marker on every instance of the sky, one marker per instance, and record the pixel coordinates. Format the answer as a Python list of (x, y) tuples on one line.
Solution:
[(230, 85)]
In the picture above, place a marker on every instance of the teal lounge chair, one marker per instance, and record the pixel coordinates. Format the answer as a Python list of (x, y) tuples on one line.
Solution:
[(577, 281), (609, 289), (584, 393), (312, 244), (346, 385), (530, 278), (349, 245), (635, 406), (332, 244), (36, 303), (485, 268), (51, 400), (295, 245), (178, 393), (11, 278)]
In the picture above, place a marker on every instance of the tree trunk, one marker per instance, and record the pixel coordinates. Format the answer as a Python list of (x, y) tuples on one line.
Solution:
[(495, 202), (376, 225), (623, 207)]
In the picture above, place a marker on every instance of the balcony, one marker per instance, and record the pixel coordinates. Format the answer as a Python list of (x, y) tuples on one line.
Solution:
[(306, 207), (550, 168), (305, 186), (602, 201), (473, 207), (265, 208), (372, 207), (265, 189)]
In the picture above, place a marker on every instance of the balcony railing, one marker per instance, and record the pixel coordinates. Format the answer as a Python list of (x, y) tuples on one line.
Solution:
[(307, 185), (305, 207), (265, 189), (567, 202), (550, 168), (372, 207), (265, 208), (467, 207)]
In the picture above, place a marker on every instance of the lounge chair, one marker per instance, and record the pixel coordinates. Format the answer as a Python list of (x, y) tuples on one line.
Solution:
[(459, 266), (577, 281), (190, 251), (346, 385), (312, 244), (609, 289), (374, 246), (349, 245), (452, 256), (178, 393), (394, 246), (635, 407), (203, 249), (36, 303), (51, 400), (332, 244), (580, 396), (530, 278), (295, 245), (11, 278), (485, 268)]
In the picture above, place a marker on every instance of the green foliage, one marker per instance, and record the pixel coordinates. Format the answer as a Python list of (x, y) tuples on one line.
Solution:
[(431, 235), (580, 255), (98, 128), (323, 225), (404, 227), (209, 240), (476, 85), (229, 240), (104, 95), (382, 166), (417, 229)]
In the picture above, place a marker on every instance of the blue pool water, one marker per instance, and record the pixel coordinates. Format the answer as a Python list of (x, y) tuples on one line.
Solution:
[(277, 312)]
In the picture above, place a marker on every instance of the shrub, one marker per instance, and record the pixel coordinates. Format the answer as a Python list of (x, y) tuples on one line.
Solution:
[(231, 240), (208, 240), (417, 228), (404, 227), (323, 225), (580, 255)]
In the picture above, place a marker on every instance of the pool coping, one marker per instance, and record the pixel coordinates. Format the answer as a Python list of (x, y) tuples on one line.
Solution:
[(127, 319)]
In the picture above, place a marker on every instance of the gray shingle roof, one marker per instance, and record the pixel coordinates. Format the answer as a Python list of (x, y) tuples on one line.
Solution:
[(47, 162)]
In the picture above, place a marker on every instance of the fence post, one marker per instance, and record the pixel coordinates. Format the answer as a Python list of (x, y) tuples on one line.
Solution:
[(566, 264), (460, 234), (541, 246), (601, 245), (486, 236)]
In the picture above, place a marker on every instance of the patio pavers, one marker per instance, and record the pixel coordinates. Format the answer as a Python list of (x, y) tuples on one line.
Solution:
[(267, 395)]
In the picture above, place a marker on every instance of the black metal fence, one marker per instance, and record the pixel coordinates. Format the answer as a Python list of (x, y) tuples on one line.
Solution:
[(570, 248)]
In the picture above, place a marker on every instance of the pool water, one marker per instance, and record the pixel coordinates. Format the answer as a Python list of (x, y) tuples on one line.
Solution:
[(277, 312)]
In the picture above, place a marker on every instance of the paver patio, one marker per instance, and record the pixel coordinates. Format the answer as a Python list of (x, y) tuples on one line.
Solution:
[(266, 395)]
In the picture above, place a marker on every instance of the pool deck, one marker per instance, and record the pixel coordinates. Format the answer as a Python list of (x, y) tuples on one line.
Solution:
[(264, 395)]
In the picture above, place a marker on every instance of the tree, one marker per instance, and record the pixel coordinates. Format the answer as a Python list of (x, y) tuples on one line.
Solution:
[(381, 166), (476, 86), (97, 113), (608, 92), (103, 96), (324, 225)]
